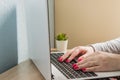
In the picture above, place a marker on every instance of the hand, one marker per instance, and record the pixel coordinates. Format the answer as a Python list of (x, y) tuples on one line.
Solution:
[(71, 54), (99, 61)]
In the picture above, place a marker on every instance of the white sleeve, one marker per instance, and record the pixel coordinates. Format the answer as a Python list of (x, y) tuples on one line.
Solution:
[(112, 46)]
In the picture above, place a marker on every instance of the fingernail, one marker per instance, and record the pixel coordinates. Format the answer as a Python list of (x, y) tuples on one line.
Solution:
[(60, 59), (67, 61), (74, 65), (80, 59), (84, 69)]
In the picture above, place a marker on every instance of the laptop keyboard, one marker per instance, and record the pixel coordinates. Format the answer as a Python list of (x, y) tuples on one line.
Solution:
[(66, 68)]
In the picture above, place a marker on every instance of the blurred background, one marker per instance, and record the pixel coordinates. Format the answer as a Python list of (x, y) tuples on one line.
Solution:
[(87, 21)]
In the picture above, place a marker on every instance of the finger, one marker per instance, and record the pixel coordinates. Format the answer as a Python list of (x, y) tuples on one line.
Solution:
[(94, 69), (88, 64), (84, 65), (76, 52), (90, 55), (86, 57), (98, 69), (82, 57), (66, 55)]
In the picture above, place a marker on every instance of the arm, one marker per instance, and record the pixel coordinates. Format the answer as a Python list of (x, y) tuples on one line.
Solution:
[(112, 46)]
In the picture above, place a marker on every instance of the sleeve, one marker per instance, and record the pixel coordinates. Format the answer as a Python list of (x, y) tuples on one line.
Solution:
[(112, 46)]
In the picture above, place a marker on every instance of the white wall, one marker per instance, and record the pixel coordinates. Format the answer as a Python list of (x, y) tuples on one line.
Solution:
[(22, 34)]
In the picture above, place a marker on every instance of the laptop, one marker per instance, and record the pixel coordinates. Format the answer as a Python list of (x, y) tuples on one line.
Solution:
[(68, 73), (39, 47)]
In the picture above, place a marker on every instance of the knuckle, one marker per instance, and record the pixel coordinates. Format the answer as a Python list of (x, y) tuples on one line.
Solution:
[(89, 64), (71, 57)]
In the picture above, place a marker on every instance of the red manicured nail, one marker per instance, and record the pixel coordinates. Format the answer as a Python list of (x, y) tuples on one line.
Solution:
[(76, 68), (74, 65), (80, 59), (84, 69), (67, 61), (60, 59)]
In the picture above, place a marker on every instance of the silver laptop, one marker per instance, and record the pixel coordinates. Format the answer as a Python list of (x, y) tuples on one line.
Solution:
[(39, 46)]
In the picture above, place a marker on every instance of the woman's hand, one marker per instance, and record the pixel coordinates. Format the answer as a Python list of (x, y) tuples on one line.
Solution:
[(71, 54), (99, 61)]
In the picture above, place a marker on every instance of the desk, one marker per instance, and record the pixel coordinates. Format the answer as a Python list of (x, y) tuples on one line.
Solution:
[(23, 71)]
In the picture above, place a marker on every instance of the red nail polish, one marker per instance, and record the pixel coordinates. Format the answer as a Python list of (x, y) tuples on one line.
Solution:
[(74, 65), (60, 59), (84, 69), (76, 68), (80, 59), (67, 61)]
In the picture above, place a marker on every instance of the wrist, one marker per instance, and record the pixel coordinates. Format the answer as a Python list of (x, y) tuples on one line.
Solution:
[(91, 49)]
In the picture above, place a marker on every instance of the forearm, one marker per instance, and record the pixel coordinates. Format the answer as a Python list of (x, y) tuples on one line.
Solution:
[(112, 46)]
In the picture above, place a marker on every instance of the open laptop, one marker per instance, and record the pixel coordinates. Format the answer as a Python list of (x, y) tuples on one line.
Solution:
[(39, 46)]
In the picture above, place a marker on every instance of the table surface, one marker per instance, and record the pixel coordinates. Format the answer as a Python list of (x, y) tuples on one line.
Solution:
[(23, 71)]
